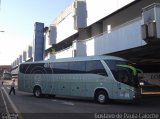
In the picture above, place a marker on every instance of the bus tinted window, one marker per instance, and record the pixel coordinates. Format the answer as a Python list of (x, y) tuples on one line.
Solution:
[(77, 67), (122, 74), (23, 68), (95, 67), (35, 69), (61, 68)]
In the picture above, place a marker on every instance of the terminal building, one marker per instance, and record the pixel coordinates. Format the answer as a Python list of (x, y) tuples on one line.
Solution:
[(124, 28)]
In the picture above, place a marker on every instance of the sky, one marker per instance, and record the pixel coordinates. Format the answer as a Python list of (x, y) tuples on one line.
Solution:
[(17, 18)]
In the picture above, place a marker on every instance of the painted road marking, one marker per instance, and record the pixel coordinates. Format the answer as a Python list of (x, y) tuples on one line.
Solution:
[(68, 103), (10, 101), (64, 102), (54, 100), (12, 104), (5, 104)]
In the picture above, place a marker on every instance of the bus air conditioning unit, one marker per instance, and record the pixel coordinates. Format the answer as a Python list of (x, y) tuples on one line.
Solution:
[(150, 28)]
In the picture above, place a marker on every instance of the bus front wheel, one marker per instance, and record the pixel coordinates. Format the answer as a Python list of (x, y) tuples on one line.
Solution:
[(102, 97), (37, 92)]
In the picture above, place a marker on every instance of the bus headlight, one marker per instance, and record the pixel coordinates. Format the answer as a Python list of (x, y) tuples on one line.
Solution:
[(141, 83)]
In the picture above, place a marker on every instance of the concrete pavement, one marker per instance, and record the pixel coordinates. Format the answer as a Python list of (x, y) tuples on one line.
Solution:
[(5, 105)]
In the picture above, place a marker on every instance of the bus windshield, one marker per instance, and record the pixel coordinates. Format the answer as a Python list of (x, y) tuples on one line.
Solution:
[(7, 76), (123, 72)]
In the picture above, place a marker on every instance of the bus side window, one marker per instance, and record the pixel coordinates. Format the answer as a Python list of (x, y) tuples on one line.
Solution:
[(77, 67), (23, 68), (95, 67), (61, 68)]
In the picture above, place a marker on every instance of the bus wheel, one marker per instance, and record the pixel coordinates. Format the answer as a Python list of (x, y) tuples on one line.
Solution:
[(102, 97), (37, 92)]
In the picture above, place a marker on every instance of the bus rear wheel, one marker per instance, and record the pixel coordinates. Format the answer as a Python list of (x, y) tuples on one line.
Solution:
[(102, 97), (37, 92)]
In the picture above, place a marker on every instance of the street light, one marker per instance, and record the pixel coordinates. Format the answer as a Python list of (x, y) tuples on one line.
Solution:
[(2, 31)]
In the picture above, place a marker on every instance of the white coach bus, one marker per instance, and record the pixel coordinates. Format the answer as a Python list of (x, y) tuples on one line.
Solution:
[(98, 77)]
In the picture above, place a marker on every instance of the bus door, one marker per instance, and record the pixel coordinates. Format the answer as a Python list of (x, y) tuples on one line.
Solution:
[(119, 88), (127, 81), (125, 78)]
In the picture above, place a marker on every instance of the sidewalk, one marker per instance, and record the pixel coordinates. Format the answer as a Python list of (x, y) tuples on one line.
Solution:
[(8, 82)]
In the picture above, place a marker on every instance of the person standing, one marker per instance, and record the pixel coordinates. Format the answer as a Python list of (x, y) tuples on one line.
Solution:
[(12, 87), (2, 81)]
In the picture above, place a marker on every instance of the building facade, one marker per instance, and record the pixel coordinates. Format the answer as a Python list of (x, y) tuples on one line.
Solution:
[(125, 28)]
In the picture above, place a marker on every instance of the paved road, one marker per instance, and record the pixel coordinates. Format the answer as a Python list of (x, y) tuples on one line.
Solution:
[(6, 110), (28, 107), (2, 105)]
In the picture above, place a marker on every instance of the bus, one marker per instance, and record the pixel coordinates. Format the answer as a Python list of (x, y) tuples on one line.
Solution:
[(6, 75), (97, 77)]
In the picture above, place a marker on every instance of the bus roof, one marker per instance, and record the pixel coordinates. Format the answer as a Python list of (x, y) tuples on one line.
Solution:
[(107, 57)]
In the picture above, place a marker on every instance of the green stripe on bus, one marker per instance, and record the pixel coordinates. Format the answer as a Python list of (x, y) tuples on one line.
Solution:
[(129, 67)]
